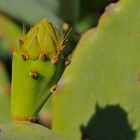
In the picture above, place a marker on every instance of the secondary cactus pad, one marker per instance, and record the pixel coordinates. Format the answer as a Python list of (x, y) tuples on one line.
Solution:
[(102, 84), (26, 131)]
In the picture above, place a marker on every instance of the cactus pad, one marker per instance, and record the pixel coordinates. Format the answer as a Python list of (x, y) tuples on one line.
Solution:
[(26, 131), (102, 83)]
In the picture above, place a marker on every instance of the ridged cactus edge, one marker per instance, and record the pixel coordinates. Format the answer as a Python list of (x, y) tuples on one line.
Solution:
[(26, 131)]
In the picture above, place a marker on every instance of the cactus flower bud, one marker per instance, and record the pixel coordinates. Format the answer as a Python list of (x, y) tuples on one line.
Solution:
[(36, 68)]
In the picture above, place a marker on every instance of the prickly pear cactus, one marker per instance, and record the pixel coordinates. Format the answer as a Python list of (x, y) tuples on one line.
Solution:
[(37, 66), (99, 97), (26, 131), (4, 96)]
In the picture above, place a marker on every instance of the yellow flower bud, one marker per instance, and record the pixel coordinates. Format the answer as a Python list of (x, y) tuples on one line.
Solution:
[(43, 38)]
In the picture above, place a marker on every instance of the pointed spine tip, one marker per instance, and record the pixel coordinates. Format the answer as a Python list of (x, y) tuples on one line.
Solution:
[(65, 26)]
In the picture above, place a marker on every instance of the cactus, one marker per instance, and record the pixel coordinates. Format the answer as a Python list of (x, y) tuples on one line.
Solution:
[(26, 131), (4, 98), (103, 78), (37, 66)]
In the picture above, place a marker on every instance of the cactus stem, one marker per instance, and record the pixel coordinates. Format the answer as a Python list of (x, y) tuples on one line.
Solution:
[(24, 57), (33, 73), (43, 56), (53, 88), (21, 42), (14, 51), (43, 66)]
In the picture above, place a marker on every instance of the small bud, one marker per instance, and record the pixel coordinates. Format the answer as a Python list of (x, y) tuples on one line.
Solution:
[(33, 73), (65, 26), (43, 37)]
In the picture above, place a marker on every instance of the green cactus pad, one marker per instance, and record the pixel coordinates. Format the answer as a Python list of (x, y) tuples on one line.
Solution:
[(37, 66), (102, 84), (26, 131)]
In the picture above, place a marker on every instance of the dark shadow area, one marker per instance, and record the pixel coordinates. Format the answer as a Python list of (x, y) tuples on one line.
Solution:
[(109, 123)]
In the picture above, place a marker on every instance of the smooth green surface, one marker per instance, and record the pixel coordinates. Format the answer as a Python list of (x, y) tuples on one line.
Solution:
[(101, 86), (4, 97), (26, 131)]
